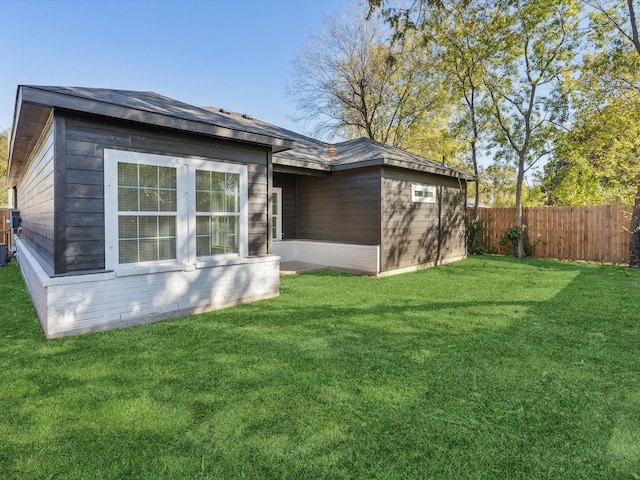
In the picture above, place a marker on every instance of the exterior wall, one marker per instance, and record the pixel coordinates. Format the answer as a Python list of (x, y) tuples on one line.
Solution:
[(82, 205), (343, 256), (421, 234), (36, 199), (84, 303), (289, 185), (62, 246), (344, 207)]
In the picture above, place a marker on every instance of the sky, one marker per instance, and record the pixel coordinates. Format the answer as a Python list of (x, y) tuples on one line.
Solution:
[(231, 54)]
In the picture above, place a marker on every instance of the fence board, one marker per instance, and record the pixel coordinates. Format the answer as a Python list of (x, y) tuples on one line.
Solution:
[(596, 233), (5, 231)]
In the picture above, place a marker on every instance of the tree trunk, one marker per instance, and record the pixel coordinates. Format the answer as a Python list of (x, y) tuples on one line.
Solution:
[(634, 235), (520, 180), (476, 202)]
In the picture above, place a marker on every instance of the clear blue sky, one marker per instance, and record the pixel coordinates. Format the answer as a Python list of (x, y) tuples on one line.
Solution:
[(231, 54)]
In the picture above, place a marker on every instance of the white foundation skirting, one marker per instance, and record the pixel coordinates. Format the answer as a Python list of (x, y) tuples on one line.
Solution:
[(74, 304), (345, 256)]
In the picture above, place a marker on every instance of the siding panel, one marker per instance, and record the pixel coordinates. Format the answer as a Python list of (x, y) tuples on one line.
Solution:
[(36, 199), (86, 139), (343, 208), (415, 234)]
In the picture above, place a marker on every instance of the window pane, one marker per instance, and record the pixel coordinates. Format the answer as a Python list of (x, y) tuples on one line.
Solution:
[(202, 225), (166, 248), (217, 181), (203, 180), (128, 251), (166, 227), (203, 201), (127, 199), (167, 177), (148, 176), (148, 227), (159, 192), (128, 174), (168, 201), (218, 202), (217, 192), (146, 238), (217, 235), (148, 249), (149, 200), (127, 227), (232, 235), (202, 246)]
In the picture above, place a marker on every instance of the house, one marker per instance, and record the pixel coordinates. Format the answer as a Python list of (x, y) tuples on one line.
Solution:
[(136, 207)]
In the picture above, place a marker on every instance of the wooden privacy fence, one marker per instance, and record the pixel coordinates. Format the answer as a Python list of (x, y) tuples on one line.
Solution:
[(594, 233), (5, 231)]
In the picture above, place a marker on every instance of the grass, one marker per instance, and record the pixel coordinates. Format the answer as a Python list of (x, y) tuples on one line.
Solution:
[(486, 368)]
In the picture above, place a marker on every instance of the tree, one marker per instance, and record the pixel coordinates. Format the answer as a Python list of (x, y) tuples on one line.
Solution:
[(351, 81), (461, 55), (520, 49), (617, 65), (534, 46), (457, 42), (597, 161)]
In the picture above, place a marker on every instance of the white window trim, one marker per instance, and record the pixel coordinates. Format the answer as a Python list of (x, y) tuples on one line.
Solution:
[(185, 215), (423, 198), (278, 214)]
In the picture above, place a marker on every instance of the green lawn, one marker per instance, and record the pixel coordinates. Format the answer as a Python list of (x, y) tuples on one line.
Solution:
[(486, 368)]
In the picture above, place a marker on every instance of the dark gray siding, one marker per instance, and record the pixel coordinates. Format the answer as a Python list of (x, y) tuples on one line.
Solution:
[(83, 203), (36, 199), (344, 207), (289, 185), (421, 233)]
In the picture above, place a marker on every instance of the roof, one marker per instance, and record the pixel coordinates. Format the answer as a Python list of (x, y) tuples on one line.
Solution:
[(363, 152), (313, 154), (34, 105)]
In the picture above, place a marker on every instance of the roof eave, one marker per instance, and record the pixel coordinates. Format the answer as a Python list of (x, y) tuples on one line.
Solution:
[(445, 171), (435, 169), (309, 165)]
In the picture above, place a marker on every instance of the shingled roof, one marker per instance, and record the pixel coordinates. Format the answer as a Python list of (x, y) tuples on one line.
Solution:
[(313, 154), (35, 103)]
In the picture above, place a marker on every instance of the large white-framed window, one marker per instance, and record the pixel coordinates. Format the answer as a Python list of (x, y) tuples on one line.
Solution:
[(276, 213), (165, 212), (423, 193)]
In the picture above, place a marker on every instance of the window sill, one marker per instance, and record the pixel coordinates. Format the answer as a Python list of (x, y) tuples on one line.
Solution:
[(225, 261)]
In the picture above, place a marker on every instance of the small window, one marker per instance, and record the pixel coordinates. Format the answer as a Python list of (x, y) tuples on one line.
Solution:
[(423, 193)]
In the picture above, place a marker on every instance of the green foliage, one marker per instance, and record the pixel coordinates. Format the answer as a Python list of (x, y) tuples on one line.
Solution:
[(475, 238), (528, 371), (597, 159), (518, 235)]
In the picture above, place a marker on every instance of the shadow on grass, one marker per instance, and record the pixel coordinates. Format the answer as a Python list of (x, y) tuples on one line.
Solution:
[(488, 368)]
